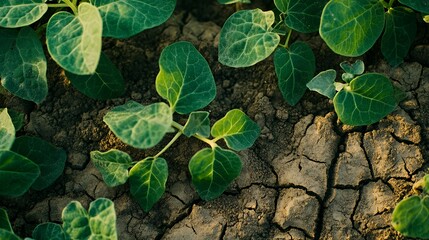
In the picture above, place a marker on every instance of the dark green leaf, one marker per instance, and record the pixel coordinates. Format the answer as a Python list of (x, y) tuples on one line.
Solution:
[(198, 123), (4, 221), (147, 181), (18, 119), (20, 13), (6, 235), (51, 231), (410, 217), (323, 83), (185, 79), (418, 5), (113, 166), (398, 35), (105, 83), (294, 69), (50, 159)]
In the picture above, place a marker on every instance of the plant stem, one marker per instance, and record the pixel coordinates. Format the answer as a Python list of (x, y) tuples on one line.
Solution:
[(74, 2), (179, 127), (178, 134), (391, 3), (57, 5), (71, 5), (286, 45), (238, 6)]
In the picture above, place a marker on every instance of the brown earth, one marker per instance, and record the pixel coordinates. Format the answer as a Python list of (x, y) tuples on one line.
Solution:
[(307, 177)]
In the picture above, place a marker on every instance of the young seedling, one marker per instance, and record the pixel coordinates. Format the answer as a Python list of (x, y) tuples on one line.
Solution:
[(26, 162), (73, 40), (250, 36), (351, 28), (411, 215), (186, 82), (99, 222), (361, 99)]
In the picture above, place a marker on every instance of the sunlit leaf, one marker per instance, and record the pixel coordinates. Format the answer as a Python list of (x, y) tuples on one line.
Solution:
[(247, 38), (410, 217), (7, 130), (232, 1), (185, 79), (20, 13), (113, 166), (323, 83), (198, 123)]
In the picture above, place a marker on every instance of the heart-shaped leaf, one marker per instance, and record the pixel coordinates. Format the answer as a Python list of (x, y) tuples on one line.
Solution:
[(213, 170), (140, 126), (238, 130), (418, 5), (50, 159), (147, 181), (20, 13), (98, 223), (23, 64), (410, 217), (17, 174), (74, 42), (247, 38), (113, 166), (294, 69), (323, 83), (7, 130), (4, 221), (356, 68), (398, 35), (105, 83), (124, 18), (185, 79), (302, 15), (51, 231), (351, 27), (367, 99), (198, 123)]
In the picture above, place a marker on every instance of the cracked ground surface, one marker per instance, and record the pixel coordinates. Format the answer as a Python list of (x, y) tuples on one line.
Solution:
[(307, 177)]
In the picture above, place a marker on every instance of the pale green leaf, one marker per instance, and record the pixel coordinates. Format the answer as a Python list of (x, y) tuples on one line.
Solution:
[(237, 129), (398, 35), (6, 235), (294, 67), (140, 126), (418, 5), (147, 181), (113, 166), (198, 123), (356, 68), (7, 130), (74, 42), (50, 159), (213, 170), (351, 27), (185, 79), (367, 99), (247, 38), (4, 221), (20, 13), (99, 223), (17, 174), (23, 64), (302, 15), (105, 83), (410, 217), (323, 83), (124, 18), (51, 231)]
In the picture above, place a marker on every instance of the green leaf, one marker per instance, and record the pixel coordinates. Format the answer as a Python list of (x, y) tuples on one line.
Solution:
[(23, 64), (124, 18), (147, 181), (198, 123), (418, 5), (185, 79), (232, 1), (351, 27), (4, 221), (246, 38), (294, 69), (105, 83), (323, 83), (7, 130), (20, 13), (17, 174), (238, 130), (213, 170), (99, 223), (367, 99), (74, 42), (18, 119), (51, 231), (6, 235), (302, 15), (410, 217), (50, 159), (398, 35), (356, 68), (140, 126), (113, 166)]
